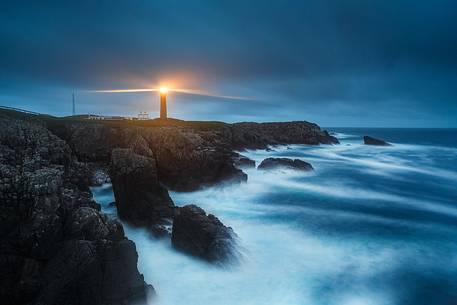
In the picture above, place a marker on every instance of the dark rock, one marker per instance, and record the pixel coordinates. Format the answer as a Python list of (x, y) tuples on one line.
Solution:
[(241, 161), (140, 199), (373, 141), (188, 159), (188, 156), (273, 163), (261, 135), (99, 177), (198, 234), (56, 245)]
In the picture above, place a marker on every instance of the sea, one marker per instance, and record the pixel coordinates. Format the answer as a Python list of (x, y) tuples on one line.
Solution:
[(371, 225)]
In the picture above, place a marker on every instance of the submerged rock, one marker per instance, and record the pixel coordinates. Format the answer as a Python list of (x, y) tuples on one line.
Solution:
[(274, 163), (373, 141), (140, 199), (56, 245), (205, 236)]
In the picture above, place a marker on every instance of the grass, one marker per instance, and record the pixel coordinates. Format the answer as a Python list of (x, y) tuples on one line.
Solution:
[(55, 121)]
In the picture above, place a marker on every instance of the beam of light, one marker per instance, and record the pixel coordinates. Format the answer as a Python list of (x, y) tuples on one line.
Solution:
[(166, 90)]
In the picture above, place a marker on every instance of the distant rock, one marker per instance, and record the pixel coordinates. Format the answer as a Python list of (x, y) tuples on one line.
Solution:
[(140, 199), (274, 163), (373, 141), (261, 135), (241, 161), (198, 234)]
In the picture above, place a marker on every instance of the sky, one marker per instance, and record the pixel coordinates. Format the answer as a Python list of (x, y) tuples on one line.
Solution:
[(337, 63)]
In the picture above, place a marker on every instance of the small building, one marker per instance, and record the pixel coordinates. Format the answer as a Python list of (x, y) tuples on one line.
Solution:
[(143, 115), (107, 117)]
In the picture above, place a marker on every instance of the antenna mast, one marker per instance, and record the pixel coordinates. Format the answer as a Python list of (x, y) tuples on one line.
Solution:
[(73, 101)]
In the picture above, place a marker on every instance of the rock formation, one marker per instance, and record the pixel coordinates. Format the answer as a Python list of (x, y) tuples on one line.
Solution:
[(274, 163), (242, 162), (373, 141), (261, 135), (188, 155), (56, 247), (140, 199), (198, 234)]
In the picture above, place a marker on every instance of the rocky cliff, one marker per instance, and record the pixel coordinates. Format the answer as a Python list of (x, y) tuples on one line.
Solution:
[(187, 156), (56, 247), (140, 198)]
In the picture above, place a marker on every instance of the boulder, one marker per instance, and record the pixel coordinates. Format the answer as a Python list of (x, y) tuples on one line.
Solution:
[(274, 163), (140, 199), (204, 236), (373, 141)]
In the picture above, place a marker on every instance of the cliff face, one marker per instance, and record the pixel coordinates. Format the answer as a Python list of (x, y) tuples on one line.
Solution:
[(56, 247), (188, 158), (140, 199)]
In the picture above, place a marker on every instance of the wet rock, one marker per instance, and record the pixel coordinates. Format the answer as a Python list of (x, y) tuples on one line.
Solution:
[(274, 163), (198, 234), (373, 141), (140, 199)]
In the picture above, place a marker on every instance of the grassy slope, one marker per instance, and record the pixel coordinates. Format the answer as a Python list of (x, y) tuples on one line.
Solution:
[(118, 123)]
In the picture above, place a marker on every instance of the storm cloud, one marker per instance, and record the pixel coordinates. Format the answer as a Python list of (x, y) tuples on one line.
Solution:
[(338, 63)]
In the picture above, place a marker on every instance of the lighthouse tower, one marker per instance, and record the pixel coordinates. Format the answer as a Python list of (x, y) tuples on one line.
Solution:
[(163, 103)]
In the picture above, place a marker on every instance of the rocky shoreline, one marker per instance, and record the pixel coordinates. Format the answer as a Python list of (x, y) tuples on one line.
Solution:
[(56, 245), (58, 248)]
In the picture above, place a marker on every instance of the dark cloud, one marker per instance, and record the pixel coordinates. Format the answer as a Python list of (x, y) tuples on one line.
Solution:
[(301, 59)]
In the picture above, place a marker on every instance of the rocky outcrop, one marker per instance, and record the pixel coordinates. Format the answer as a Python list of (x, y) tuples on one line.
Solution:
[(261, 135), (373, 141), (204, 236), (274, 163), (140, 199), (56, 247), (188, 159), (188, 155)]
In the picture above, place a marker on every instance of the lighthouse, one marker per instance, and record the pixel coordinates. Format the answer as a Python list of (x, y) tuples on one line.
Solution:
[(163, 102)]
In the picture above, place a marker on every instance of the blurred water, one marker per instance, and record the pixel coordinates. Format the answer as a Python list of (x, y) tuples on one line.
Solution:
[(371, 225)]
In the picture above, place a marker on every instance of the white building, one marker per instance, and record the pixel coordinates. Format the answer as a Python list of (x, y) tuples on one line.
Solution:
[(143, 115)]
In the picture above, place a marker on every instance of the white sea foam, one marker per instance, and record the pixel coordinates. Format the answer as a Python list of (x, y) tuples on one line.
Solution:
[(286, 264)]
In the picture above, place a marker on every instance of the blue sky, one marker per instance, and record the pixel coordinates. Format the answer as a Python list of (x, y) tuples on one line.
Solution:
[(336, 63)]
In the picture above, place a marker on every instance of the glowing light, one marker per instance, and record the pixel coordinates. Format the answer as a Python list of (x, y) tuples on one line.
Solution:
[(165, 90)]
